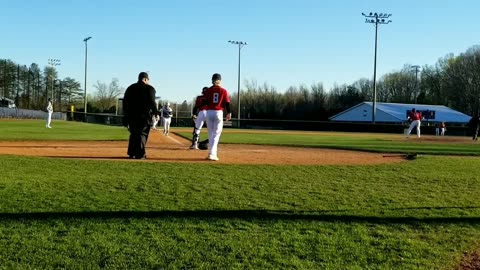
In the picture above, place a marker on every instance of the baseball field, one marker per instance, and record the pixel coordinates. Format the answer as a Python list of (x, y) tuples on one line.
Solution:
[(70, 199)]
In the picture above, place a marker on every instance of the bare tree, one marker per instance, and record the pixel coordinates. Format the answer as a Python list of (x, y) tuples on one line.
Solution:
[(106, 96)]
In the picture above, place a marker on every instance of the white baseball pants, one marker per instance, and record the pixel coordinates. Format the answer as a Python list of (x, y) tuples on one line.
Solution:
[(215, 127), (166, 124), (415, 123), (201, 119), (49, 119)]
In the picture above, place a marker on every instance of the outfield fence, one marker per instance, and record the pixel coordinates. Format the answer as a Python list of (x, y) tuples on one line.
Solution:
[(28, 114), (272, 124), (379, 127)]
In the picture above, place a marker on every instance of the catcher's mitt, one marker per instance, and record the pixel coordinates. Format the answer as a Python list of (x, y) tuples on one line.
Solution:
[(203, 145)]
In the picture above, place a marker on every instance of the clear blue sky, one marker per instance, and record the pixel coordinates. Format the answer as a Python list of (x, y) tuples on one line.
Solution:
[(182, 43)]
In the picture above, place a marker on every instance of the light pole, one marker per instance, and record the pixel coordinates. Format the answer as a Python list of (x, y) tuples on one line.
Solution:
[(240, 45), (53, 63), (376, 18), (416, 68), (85, 85)]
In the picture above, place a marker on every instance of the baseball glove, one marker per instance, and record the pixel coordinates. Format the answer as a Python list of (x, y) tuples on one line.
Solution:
[(203, 145)]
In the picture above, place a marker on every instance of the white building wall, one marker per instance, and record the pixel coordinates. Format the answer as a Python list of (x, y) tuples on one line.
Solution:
[(396, 113)]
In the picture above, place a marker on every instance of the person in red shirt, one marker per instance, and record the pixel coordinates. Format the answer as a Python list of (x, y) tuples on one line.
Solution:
[(415, 118), (217, 100), (443, 128), (199, 113)]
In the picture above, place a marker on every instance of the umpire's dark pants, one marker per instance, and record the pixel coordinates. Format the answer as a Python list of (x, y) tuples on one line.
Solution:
[(139, 131)]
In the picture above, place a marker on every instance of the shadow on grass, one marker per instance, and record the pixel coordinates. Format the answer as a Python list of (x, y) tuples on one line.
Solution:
[(252, 215)]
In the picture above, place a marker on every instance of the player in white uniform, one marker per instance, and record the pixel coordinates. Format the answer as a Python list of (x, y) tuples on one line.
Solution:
[(49, 110), (167, 113), (199, 115), (155, 119)]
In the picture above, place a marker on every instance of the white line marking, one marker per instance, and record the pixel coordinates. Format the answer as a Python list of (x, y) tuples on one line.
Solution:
[(178, 142)]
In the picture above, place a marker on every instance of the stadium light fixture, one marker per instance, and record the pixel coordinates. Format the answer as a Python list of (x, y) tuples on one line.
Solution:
[(240, 46), (416, 69), (53, 62), (376, 19), (85, 85)]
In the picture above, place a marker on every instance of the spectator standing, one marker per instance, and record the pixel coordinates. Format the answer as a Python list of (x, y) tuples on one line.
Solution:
[(443, 128), (475, 125), (437, 129)]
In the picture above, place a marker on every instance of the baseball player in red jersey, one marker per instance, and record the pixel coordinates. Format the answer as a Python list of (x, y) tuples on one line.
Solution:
[(200, 116), (415, 117), (443, 128), (217, 100)]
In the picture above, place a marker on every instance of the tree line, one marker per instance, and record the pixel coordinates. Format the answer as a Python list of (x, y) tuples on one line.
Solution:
[(453, 81), (31, 86)]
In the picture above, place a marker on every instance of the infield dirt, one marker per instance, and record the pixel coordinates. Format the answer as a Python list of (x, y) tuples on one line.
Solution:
[(174, 148)]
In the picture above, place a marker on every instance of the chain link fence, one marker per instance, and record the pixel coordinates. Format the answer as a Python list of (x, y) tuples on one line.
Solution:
[(29, 114)]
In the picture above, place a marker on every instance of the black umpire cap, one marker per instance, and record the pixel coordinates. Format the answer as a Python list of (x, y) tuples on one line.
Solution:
[(143, 75)]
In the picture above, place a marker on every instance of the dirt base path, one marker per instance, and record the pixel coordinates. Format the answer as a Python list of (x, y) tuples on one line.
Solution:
[(174, 148)]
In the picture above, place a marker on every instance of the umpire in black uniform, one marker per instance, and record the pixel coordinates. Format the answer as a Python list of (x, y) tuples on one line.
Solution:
[(139, 105)]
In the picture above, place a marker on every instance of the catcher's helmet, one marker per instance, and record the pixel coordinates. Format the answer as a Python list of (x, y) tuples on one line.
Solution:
[(203, 145)]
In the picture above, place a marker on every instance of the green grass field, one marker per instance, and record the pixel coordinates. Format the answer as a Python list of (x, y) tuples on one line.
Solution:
[(383, 143), (14, 130), (82, 214)]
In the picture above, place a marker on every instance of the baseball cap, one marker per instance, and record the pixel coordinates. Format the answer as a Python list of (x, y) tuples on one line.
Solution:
[(143, 75), (216, 77)]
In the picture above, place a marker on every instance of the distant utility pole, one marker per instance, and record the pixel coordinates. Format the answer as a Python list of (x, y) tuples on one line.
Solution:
[(376, 18), (416, 69)]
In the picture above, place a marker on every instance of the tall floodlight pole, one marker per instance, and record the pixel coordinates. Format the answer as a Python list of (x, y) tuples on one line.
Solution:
[(240, 45), (416, 68), (85, 85), (376, 18), (53, 63)]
